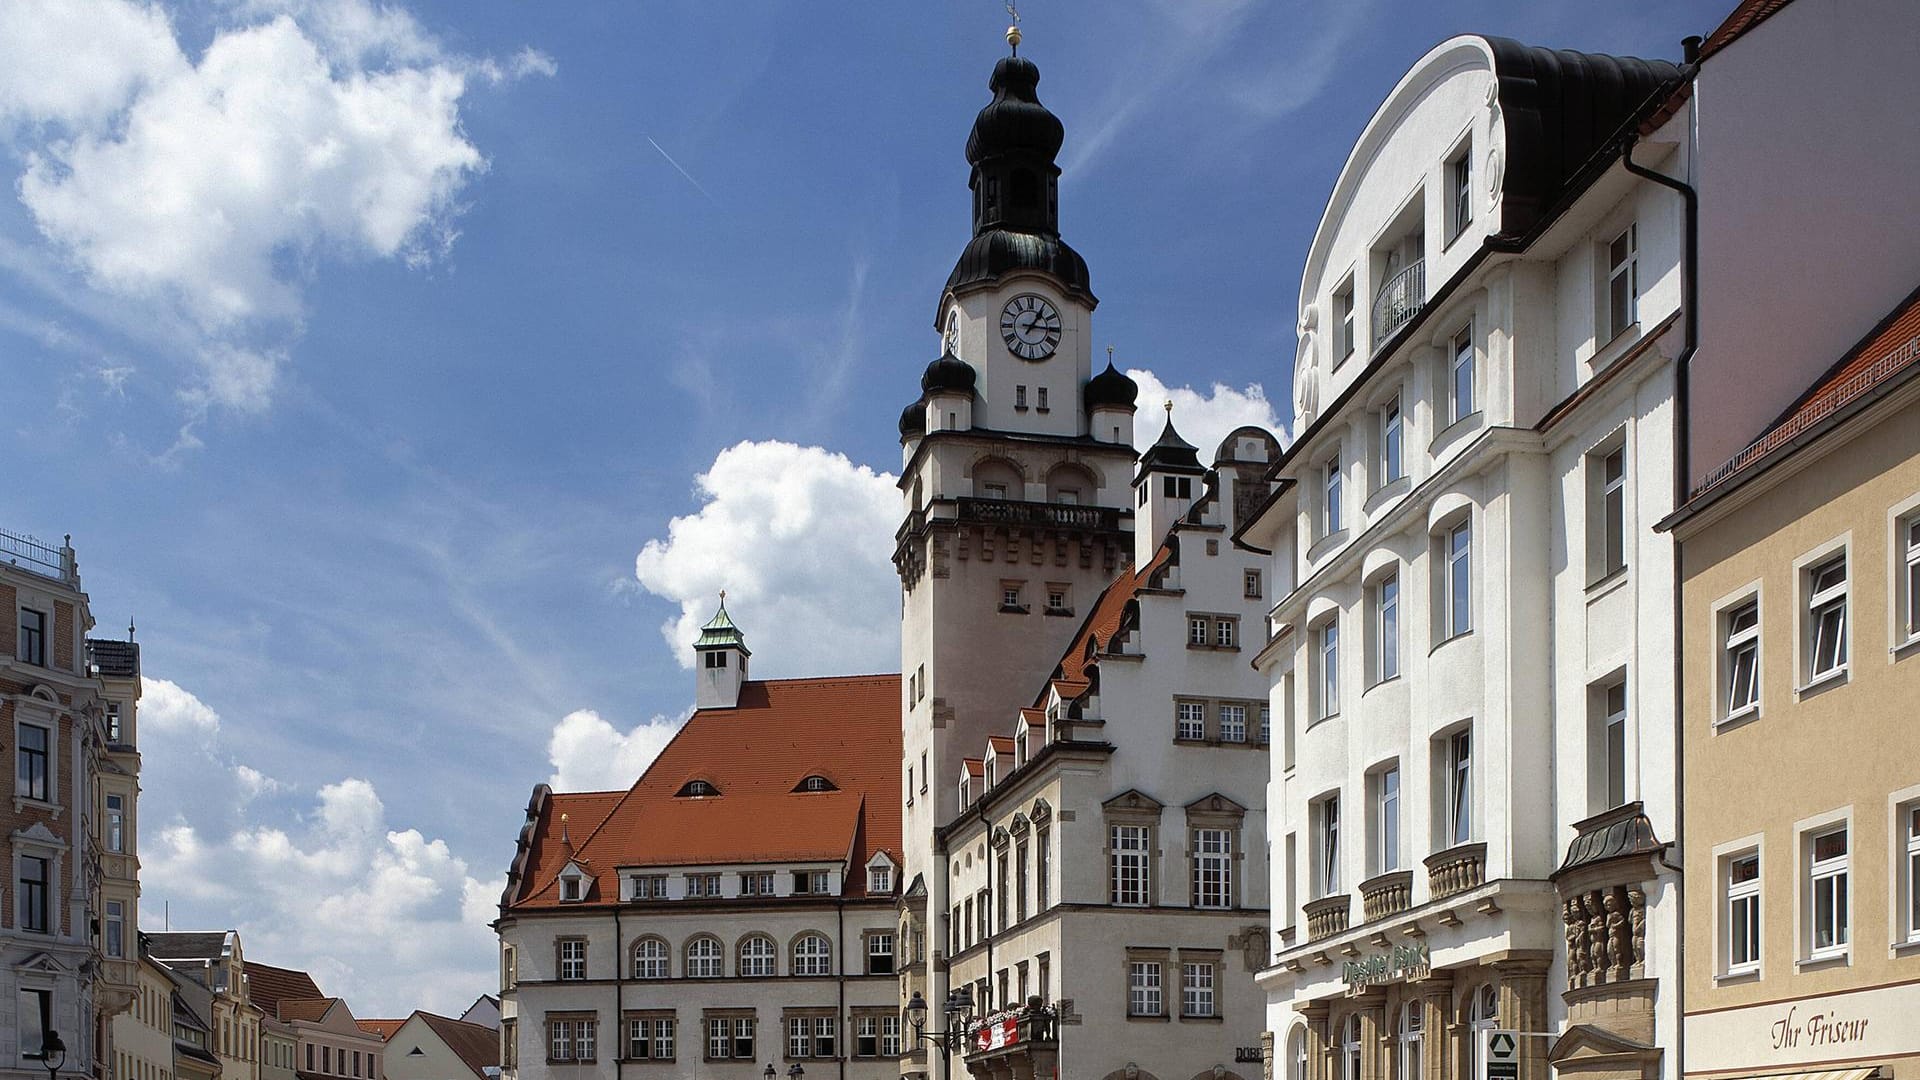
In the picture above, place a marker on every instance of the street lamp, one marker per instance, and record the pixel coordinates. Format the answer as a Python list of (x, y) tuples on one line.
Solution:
[(770, 1074), (958, 1009), (53, 1054), (796, 1072)]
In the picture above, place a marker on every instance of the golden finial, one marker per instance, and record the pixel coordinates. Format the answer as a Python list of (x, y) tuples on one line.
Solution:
[(1109, 356), (1013, 32), (723, 598), (1169, 407)]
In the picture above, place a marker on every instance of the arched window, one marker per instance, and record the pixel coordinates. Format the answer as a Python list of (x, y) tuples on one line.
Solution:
[(1350, 1048), (650, 958), (996, 479), (1411, 1022), (816, 782), (812, 955), (757, 952), (698, 789), (1483, 1015), (704, 956), (1297, 1054)]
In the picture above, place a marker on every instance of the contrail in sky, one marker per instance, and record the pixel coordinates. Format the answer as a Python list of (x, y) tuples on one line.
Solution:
[(682, 172)]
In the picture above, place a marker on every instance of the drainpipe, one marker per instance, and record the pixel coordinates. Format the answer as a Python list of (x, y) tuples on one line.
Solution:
[(1683, 483), (619, 987), (840, 1047)]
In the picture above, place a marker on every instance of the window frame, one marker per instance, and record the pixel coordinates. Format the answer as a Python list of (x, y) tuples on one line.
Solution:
[(1458, 175), (570, 968), (36, 776), (1820, 602), (1146, 986), (1345, 320), (1835, 874), (1386, 798), (1189, 720), (1457, 817), (1232, 730), (1739, 645), (1461, 361), (1326, 638), (1748, 894), (704, 965), (1393, 441), (1326, 845), (1211, 854), (1383, 605), (1619, 321), (1126, 863), (31, 639), (1332, 494), (1455, 609), (1199, 989)]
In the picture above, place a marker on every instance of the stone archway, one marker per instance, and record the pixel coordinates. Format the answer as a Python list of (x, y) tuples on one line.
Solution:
[(1130, 1072), (1218, 1072)]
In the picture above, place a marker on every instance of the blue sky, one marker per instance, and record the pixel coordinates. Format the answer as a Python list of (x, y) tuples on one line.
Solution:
[(404, 370)]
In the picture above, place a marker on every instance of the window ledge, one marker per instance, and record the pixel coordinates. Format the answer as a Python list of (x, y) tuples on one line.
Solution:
[(1388, 490), (1823, 963), (1327, 542), (1013, 609), (1444, 642), (1825, 679), (1131, 1018), (1908, 647), (1616, 347), (1605, 584), (1215, 1019), (1448, 433), (1058, 611), (1377, 683), (1910, 947), (1737, 719), (1212, 648), (22, 803), (1737, 978)]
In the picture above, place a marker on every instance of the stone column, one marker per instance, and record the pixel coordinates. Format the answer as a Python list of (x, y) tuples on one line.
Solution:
[(1373, 1032), (1523, 1007), (1319, 1040), (1266, 1055), (1436, 1023)]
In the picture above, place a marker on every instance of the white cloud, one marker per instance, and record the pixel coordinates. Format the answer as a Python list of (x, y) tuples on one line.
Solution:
[(208, 191), (590, 754), (801, 539), (234, 849), (1202, 418)]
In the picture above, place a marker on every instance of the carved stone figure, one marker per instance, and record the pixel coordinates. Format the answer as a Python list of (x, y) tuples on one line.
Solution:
[(1637, 904), (1619, 938), (1596, 936), (1306, 382), (1576, 942)]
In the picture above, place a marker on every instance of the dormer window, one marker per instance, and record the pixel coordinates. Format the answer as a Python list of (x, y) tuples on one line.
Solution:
[(697, 789), (572, 888), (879, 879), (816, 782)]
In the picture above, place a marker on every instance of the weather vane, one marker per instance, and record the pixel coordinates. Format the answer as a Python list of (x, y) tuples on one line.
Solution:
[(1013, 32)]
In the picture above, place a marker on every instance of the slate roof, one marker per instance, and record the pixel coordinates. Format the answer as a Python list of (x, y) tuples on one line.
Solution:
[(187, 944), (115, 659), (477, 1046), (756, 754)]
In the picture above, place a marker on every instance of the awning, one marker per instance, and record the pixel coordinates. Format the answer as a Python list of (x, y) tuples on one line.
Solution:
[(1867, 1072)]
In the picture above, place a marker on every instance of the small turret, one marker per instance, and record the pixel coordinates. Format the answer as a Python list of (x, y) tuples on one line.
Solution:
[(1109, 398), (721, 659), (1170, 478)]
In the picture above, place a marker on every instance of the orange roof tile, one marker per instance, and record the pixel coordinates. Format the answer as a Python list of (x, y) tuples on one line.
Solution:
[(1097, 632), (476, 1046), (1002, 744), (783, 730), (1744, 17), (1034, 717), (976, 766), (382, 1028), (1887, 350), (267, 985), (309, 1009)]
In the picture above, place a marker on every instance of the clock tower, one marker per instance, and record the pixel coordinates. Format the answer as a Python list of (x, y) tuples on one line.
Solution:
[(1016, 484)]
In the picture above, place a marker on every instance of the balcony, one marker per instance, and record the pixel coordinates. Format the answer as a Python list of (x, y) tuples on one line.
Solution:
[(1398, 301), (35, 557), (1036, 514), (1456, 870), (1328, 916), (1388, 894)]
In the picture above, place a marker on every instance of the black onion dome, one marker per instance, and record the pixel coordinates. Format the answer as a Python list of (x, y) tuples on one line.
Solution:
[(913, 421), (991, 254), (1014, 121), (948, 374), (1111, 388)]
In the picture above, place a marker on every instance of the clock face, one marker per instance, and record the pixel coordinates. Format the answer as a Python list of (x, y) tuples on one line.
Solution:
[(953, 332), (1030, 326)]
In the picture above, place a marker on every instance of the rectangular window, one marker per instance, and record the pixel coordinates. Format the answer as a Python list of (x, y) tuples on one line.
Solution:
[(980, 909), (1326, 826), (880, 954), (116, 824), (1741, 658), (35, 1020), (1613, 745), (1459, 192), (1190, 720), (1623, 281), (1386, 794), (1199, 630), (1019, 397), (1829, 906), (1460, 403), (756, 884), (1386, 623), (650, 1039), (1022, 864), (1613, 513), (1459, 788), (32, 778), (1743, 913), (1911, 578), (1212, 868), (866, 1036), (1266, 724), (1196, 990), (1010, 598), (1043, 868), (1827, 618), (1392, 442), (1226, 633), (719, 1038), (1004, 891), (573, 958), (1331, 521), (1251, 584), (36, 878), (1041, 402), (1457, 597), (115, 931), (33, 637), (1343, 342), (1056, 598), (1233, 723), (1130, 861), (703, 885), (1143, 988), (1329, 635), (114, 732), (879, 879), (1910, 866)]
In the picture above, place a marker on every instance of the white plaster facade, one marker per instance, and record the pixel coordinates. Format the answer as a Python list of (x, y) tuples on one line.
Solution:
[(1451, 574)]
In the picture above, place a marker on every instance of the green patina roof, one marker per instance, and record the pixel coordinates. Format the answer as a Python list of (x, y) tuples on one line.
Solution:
[(721, 633)]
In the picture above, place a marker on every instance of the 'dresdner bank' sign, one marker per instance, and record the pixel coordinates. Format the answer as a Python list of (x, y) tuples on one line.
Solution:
[(1859, 1026), (1402, 963)]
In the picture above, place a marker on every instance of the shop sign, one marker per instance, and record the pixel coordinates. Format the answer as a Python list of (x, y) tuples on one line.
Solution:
[(1402, 963), (1248, 1055), (1852, 1026), (996, 1033)]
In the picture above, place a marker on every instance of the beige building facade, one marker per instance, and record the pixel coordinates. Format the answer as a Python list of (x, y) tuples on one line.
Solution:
[(1801, 636)]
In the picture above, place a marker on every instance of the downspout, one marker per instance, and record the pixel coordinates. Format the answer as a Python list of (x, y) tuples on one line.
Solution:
[(1683, 486), (619, 988), (840, 911)]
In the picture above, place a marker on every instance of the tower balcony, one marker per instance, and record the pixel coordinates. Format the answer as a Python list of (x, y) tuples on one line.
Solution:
[(976, 511)]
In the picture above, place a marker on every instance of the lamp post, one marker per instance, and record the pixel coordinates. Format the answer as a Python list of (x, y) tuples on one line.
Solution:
[(796, 1072), (959, 1009), (53, 1054)]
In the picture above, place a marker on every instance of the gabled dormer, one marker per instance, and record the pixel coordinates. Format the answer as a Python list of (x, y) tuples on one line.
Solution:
[(720, 660), (575, 883), (882, 874)]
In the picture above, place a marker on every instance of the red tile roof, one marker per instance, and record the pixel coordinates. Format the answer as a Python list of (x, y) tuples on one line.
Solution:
[(1744, 17), (1103, 623), (1002, 744), (783, 730), (975, 766), (1887, 351), (476, 1046), (267, 985), (382, 1028), (309, 1009)]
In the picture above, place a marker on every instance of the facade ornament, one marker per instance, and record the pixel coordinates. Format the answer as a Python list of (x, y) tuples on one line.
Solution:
[(1620, 940), (1637, 904), (1496, 164), (1306, 382), (1596, 936), (1576, 942)]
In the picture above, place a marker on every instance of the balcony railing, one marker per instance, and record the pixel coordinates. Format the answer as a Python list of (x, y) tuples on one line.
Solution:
[(1388, 894), (1042, 515), (1456, 870), (1327, 916), (1399, 300), (34, 556)]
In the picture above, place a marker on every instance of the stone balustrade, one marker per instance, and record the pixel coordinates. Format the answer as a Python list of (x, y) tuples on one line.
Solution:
[(1456, 870)]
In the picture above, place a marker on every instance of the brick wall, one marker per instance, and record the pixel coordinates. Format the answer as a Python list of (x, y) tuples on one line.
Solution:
[(9, 625), (63, 656)]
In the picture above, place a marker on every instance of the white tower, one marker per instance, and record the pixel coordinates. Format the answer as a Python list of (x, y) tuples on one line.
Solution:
[(721, 655)]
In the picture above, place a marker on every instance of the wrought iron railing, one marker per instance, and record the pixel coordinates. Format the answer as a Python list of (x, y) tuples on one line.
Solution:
[(1399, 300), (33, 555)]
